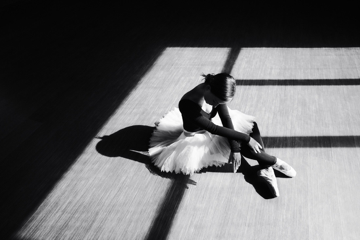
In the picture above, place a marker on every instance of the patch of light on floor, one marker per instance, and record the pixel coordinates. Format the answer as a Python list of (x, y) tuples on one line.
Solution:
[(298, 63)]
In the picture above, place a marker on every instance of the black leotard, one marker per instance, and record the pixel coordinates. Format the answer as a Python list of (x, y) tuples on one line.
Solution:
[(195, 119)]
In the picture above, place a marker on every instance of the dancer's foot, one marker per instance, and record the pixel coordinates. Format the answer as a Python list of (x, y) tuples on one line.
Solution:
[(284, 168), (268, 176)]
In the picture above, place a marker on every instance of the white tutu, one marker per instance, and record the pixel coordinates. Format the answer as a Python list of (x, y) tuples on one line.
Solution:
[(173, 149)]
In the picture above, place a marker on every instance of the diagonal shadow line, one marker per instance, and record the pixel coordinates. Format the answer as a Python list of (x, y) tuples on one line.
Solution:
[(297, 82), (231, 58), (162, 224), (312, 142), (163, 221)]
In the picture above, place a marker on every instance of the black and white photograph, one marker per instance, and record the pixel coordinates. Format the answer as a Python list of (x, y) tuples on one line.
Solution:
[(176, 120)]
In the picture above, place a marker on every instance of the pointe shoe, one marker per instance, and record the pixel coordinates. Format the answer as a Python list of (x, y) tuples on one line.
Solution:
[(267, 175), (284, 168)]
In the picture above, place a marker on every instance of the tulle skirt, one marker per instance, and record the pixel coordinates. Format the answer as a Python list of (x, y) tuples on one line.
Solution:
[(173, 149)]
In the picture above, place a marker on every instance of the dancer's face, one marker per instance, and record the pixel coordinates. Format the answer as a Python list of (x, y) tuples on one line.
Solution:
[(213, 100)]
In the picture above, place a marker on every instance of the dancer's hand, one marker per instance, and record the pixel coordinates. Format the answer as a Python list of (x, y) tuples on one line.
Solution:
[(235, 159), (255, 145)]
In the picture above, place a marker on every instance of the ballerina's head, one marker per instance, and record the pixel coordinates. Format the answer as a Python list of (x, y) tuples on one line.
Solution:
[(219, 88)]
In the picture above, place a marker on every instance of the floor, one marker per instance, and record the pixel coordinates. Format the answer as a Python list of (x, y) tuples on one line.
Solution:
[(82, 85)]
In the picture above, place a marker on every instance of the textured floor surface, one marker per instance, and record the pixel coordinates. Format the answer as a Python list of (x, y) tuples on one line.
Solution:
[(81, 90)]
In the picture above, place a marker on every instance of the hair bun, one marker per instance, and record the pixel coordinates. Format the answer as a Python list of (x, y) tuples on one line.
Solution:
[(208, 78)]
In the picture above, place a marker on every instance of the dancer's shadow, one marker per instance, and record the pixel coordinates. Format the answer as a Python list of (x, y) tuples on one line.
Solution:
[(132, 143)]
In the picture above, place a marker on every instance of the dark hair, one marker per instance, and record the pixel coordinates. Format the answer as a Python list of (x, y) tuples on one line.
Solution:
[(222, 85)]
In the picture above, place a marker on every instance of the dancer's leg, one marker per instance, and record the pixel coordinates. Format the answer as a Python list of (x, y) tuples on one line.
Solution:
[(263, 158), (266, 173)]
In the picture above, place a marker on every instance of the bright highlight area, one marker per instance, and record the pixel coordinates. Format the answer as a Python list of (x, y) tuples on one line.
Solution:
[(298, 63)]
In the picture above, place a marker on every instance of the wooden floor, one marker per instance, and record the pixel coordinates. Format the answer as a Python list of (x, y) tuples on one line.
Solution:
[(81, 87)]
